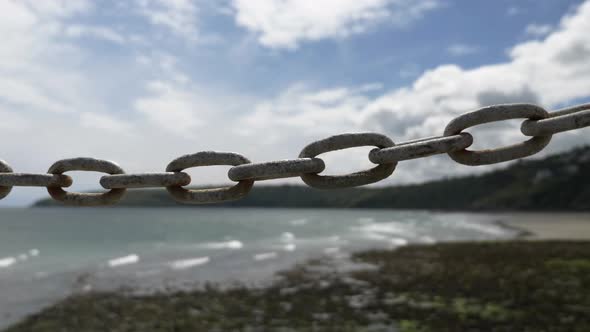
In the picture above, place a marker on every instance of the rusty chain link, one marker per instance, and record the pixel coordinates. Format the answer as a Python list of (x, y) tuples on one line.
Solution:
[(539, 124)]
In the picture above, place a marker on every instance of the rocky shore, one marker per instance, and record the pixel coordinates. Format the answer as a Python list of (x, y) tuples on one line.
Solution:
[(489, 286)]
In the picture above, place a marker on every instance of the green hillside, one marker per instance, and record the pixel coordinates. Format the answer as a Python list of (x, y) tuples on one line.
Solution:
[(558, 182)]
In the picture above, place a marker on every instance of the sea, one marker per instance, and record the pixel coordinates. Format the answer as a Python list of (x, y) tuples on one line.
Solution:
[(47, 254)]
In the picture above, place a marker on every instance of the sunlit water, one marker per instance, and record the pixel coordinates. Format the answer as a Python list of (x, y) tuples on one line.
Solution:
[(46, 254)]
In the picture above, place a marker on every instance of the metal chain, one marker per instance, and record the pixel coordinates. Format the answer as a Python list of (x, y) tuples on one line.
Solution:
[(86, 199), (345, 141), (494, 114), (539, 124), (559, 121), (214, 195)]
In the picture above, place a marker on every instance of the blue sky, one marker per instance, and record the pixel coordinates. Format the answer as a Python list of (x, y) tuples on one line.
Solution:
[(230, 56), (144, 81)]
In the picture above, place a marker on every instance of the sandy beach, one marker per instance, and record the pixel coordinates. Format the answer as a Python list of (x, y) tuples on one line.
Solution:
[(549, 226)]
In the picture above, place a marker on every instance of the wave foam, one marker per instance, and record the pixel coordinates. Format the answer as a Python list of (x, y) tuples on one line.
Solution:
[(290, 247), (7, 262), (125, 260), (388, 228), (233, 245), (184, 264), (398, 242)]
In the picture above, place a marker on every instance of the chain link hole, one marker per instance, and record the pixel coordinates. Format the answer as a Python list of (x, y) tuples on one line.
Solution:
[(209, 177), (85, 181), (485, 136), (345, 161)]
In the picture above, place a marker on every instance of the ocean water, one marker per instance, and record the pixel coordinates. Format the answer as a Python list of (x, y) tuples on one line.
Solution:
[(48, 254)]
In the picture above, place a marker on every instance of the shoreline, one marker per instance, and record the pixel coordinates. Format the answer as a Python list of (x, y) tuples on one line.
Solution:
[(521, 232), (528, 227), (497, 286)]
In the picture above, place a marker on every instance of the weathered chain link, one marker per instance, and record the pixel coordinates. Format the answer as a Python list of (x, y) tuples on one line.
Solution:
[(421, 148), (85, 199), (539, 124), (145, 180), (209, 195), (279, 169), (559, 121), (493, 114), (35, 180), (345, 141)]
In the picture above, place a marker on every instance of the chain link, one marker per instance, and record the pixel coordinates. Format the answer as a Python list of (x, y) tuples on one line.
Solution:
[(85, 199), (539, 124), (421, 148), (35, 180), (209, 195), (559, 121), (145, 180), (345, 141), (492, 114), (279, 169)]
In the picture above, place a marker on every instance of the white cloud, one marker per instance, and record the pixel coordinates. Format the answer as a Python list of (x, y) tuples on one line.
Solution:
[(98, 32), (32, 55), (105, 122), (462, 49), (179, 16), (538, 30), (58, 8), (21, 92), (303, 111), (173, 109), (12, 123), (287, 23)]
